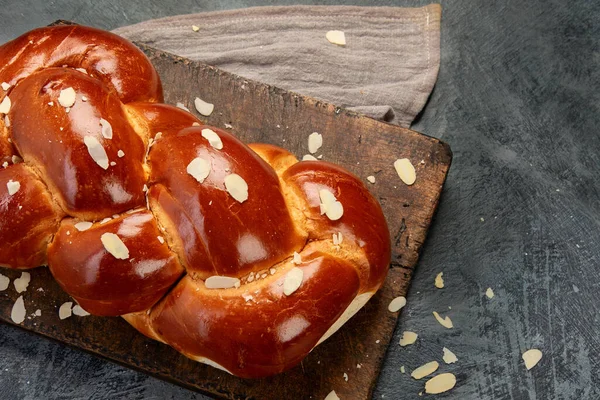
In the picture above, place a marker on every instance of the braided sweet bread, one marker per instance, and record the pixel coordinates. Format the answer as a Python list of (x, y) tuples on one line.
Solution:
[(237, 256)]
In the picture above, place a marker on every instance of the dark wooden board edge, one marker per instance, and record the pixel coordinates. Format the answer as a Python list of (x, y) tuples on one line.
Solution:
[(373, 323)]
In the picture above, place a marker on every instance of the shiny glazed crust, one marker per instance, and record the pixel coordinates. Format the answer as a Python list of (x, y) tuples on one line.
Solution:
[(174, 232)]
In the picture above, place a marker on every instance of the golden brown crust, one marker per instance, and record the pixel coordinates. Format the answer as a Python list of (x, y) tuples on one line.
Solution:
[(153, 266)]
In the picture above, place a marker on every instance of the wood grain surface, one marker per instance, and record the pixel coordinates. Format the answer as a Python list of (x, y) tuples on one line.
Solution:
[(261, 113)]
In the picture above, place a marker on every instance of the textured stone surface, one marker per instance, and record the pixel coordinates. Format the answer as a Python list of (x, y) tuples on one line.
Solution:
[(517, 100)]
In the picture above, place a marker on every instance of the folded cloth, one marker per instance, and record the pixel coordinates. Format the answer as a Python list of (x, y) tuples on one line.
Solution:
[(387, 69)]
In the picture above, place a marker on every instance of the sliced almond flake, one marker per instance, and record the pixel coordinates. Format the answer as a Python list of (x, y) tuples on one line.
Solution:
[(228, 126), (531, 358), (5, 105), (213, 138), (16, 159), (38, 313), (272, 271), (293, 280), (308, 157), (161, 239), (13, 187), (83, 98), (5, 86), (5, 164), (65, 310), (371, 179), (6, 121), (337, 239), (115, 246), (4, 282), (405, 171), (82, 70), (359, 366), (83, 226), (112, 163), (22, 283), (50, 103), (489, 293), (397, 304), (336, 37), (106, 129), (120, 154), (237, 187), (203, 107), (315, 141), (221, 282), (439, 281), (17, 314), (105, 220), (199, 168), (96, 151), (332, 396), (408, 338), (297, 258), (445, 322), (449, 357), (440, 384), (67, 97), (425, 369), (182, 106), (195, 28), (79, 311), (402, 369), (157, 136), (330, 206), (346, 377)]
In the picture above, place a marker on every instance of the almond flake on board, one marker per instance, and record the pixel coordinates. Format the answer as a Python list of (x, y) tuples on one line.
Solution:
[(336, 37), (440, 383), (397, 304), (65, 310), (4, 282), (79, 311), (308, 157), (315, 141), (405, 170), (371, 179), (203, 107), (22, 283), (332, 396), (17, 314), (195, 28), (489, 293)]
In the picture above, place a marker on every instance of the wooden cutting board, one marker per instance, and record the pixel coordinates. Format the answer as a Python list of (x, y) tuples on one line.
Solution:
[(261, 113)]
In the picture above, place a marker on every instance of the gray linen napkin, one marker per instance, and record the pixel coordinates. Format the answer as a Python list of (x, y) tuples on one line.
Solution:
[(386, 70)]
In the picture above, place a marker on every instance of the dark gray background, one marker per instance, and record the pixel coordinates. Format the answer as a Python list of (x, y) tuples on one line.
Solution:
[(518, 100)]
